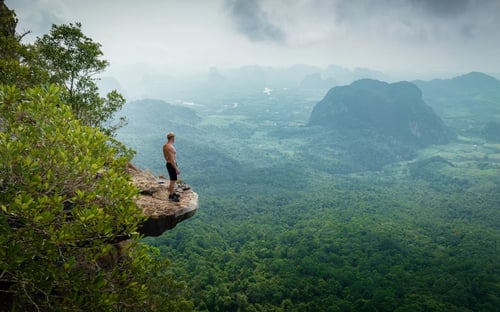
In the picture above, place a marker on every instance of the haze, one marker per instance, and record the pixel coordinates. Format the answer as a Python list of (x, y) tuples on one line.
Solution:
[(407, 37)]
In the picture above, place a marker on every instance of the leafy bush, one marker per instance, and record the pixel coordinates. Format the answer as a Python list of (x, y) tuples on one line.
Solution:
[(66, 201)]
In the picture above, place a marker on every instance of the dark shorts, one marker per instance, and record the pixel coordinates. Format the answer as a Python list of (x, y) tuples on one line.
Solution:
[(171, 172)]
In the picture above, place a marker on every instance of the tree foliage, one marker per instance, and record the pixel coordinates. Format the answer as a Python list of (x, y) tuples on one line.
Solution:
[(73, 60), (68, 217), (65, 200), (292, 234), (342, 245), (17, 66)]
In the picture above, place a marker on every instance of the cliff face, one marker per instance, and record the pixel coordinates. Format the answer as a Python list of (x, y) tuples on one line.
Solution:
[(162, 214)]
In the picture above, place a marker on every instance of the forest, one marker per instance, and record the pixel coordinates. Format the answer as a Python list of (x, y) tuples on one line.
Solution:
[(306, 218), (293, 215)]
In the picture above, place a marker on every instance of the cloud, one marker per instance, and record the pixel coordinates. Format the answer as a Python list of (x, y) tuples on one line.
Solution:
[(253, 22), (38, 16), (435, 21), (456, 35), (442, 8)]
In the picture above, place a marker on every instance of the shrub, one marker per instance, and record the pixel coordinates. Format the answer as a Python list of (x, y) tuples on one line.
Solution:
[(66, 201)]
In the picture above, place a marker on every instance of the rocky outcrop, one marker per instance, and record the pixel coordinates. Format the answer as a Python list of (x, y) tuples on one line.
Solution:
[(162, 214)]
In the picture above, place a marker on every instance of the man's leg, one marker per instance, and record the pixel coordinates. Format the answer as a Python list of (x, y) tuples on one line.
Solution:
[(171, 187), (171, 192)]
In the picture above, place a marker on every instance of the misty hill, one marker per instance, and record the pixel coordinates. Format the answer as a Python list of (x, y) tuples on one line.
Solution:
[(394, 110), (150, 111), (297, 75), (471, 84), (315, 82), (467, 103), (345, 76), (107, 84), (149, 120), (146, 82)]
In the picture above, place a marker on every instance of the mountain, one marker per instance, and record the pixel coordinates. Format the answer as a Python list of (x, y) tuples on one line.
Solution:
[(107, 84), (344, 75), (259, 76), (315, 82), (150, 111), (469, 85), (393, 110), (466, 103)]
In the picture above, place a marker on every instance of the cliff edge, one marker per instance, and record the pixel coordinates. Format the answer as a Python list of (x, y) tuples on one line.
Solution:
[(162, 214)]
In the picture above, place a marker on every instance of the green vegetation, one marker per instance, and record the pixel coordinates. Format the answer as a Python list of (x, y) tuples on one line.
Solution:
[(289, 220), (72, 60), (345, 245), (491, 131), (66, 202), (466, 102), (395, 111), (65, 57), (17, 66)]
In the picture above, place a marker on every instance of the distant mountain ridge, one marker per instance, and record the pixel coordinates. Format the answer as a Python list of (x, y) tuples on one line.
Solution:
[(394, 110), (466, 103), (460, 89), (151, 111), (473, 81)]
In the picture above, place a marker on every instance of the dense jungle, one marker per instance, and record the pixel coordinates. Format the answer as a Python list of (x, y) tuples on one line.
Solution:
[(299, 217), (335, 190)]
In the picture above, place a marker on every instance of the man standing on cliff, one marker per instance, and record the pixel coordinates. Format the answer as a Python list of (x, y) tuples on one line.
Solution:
[(173, 170)]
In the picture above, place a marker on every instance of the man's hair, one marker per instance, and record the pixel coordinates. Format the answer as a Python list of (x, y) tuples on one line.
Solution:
[(170, 135)]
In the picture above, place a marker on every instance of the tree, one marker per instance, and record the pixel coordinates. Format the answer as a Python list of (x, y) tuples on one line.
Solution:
[(66, 200), (73, 60), (17, 66)]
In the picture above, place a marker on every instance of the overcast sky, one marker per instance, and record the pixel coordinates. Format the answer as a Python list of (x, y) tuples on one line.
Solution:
[(186, 35)]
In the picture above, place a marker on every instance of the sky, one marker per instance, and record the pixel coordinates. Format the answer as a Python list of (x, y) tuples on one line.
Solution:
[(189, 36)]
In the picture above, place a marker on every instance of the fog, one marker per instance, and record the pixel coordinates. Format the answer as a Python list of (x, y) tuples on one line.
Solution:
[(405, 39)]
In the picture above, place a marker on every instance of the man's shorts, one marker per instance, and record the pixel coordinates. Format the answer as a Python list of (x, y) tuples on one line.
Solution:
[(171, 172)]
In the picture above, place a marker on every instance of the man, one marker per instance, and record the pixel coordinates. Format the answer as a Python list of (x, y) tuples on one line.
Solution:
[(169, 154)]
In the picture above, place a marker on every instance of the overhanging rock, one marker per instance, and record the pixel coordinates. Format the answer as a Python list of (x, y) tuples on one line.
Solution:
[(162, 214)]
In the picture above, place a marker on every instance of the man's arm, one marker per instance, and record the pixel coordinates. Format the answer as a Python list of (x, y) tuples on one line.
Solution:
[(165, 152)]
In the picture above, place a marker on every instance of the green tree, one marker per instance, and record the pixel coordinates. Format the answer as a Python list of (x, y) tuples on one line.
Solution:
[(73, 61), (17, 66), (66, 201), (8, 40)]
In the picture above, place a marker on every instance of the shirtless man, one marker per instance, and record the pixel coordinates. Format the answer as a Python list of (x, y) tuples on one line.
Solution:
[(173, 170)]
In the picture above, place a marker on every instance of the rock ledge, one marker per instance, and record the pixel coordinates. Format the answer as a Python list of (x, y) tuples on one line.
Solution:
[(162, 214)]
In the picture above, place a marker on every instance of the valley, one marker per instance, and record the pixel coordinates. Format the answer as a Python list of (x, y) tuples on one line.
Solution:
[(300, 218)]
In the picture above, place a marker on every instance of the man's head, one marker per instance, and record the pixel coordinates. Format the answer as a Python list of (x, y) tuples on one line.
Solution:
[(170, 136)]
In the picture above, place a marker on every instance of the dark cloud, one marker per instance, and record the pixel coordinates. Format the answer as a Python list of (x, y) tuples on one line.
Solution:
[(429, 8), (252, 21), (443, 8), (417, 20)]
